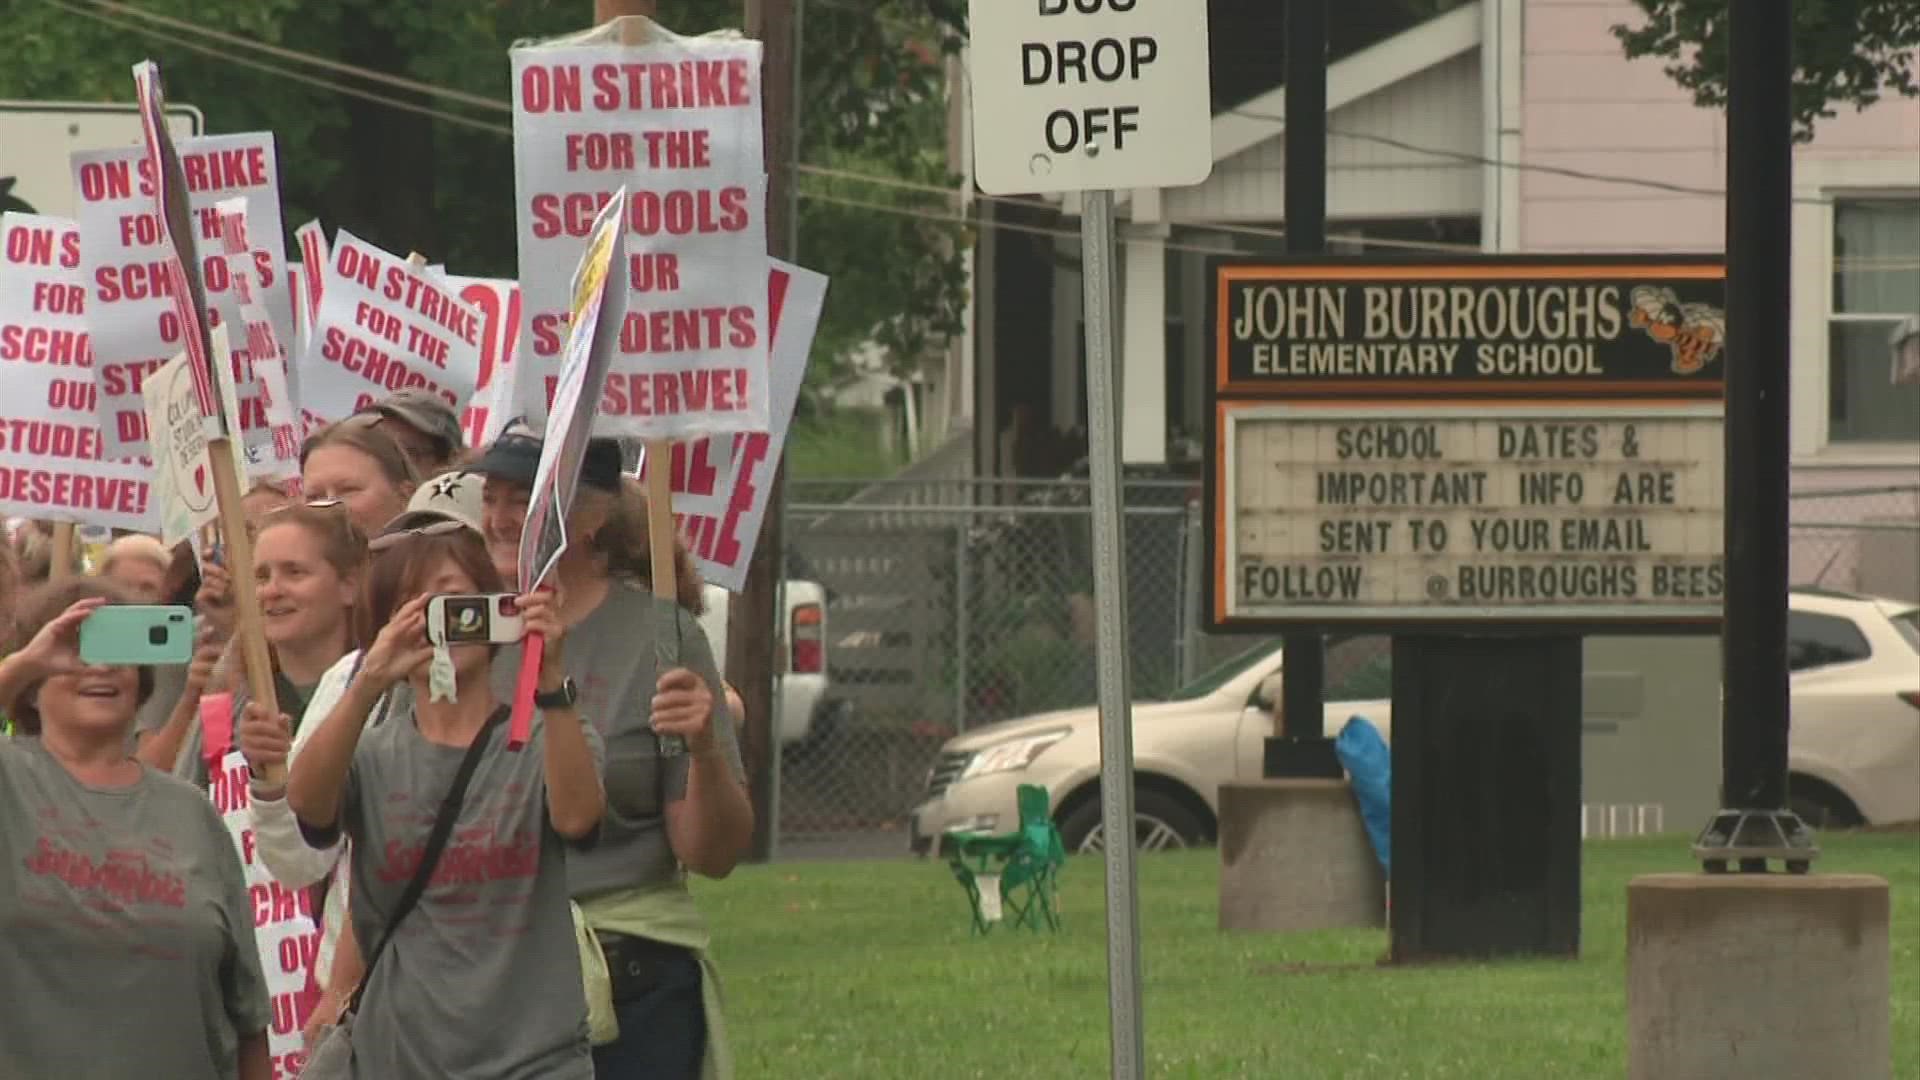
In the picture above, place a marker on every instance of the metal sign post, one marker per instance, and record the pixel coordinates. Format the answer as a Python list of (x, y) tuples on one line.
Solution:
[(1110, 643), (1094, 96)]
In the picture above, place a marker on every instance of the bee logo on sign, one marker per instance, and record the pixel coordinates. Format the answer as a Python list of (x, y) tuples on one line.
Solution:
[(1695, 333), (1088, 95)]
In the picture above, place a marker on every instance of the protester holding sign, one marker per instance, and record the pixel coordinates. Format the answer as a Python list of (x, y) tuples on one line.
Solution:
[(211, 598), (484, 978), (361, 466), (425, 426), (267, 742), (308, 562), (126, 932), (663, 813)]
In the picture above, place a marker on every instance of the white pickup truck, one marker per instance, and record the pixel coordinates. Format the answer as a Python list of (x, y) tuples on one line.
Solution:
[(806, 711)]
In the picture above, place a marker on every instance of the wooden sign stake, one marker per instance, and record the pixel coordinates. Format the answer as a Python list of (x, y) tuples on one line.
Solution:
[(60, 552), (249, 627)]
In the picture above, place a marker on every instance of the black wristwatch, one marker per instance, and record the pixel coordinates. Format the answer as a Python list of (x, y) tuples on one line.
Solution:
[(563, 698)]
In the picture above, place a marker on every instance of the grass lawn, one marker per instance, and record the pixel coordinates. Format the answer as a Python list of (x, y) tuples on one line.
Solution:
[(866, 970)]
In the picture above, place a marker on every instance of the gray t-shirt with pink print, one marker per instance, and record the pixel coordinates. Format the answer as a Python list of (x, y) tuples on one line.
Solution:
[(482, 980), (126, 931)]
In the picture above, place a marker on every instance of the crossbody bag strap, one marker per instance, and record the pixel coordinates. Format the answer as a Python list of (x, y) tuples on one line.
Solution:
[(443, 824)]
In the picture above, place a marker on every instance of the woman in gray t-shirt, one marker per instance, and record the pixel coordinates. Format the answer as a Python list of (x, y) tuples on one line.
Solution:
[(126, 935), (482, 979), (645, 670)]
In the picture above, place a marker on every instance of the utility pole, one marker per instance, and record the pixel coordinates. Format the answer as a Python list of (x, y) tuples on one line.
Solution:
[(753, 630), (1302, 750), (1754, 824)]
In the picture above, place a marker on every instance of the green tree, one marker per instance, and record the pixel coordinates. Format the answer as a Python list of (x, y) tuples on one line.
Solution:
[(1845, 51), (872, 98)]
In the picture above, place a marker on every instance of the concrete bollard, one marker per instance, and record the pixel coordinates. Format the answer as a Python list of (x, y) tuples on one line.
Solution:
[(1295, 856), (1757, 977)]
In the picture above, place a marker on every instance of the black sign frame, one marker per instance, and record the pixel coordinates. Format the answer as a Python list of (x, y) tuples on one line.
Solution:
[(1657, 374)]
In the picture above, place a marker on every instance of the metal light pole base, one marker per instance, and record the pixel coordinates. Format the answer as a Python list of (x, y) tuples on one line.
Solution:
[(1301, 757), (1748, 838)]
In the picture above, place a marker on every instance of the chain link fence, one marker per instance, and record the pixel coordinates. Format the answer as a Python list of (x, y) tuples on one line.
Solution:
[(1857, 539), (954, 603)]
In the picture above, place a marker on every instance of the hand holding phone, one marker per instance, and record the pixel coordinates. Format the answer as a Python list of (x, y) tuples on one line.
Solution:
[(399, 648), (55, 648), (129, 635), (485, 619)]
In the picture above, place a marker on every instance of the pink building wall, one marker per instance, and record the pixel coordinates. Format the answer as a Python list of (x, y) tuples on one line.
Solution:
[(1585, 107)]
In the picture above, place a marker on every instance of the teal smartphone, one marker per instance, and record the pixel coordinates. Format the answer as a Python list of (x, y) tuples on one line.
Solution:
[(129, 635)]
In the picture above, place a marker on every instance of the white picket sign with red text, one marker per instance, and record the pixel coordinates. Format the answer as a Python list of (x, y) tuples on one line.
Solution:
[(52, 461), (677, 122)]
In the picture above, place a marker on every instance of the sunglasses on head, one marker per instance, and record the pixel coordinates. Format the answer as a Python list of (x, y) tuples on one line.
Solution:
[(310, 504), (394, 539)]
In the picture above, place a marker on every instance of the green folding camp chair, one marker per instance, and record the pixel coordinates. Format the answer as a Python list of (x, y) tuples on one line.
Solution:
[(1011, 875)]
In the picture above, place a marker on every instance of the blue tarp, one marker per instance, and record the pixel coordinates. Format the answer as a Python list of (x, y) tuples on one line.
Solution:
[(1369, 763)]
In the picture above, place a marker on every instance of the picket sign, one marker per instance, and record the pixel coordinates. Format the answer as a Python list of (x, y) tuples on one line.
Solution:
[(127, 263), (691, 357), (599, 291), (384, 325), (278, 458), (723, 484), (284, 927), (306, 296), (185, 499), (162, 163), (53, 464), (495, 393)]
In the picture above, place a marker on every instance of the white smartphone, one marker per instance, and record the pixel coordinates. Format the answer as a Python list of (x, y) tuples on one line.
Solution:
[(488, 619)]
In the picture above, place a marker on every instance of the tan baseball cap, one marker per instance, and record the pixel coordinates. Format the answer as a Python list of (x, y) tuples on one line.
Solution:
[(450, 496), (424, 412)]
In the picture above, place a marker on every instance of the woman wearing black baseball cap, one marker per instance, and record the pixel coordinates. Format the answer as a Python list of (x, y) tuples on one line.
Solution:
[(663, 812)]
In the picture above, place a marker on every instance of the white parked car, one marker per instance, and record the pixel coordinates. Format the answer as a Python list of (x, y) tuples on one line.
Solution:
[(1854, 753), (1208, 732), (807, 708)]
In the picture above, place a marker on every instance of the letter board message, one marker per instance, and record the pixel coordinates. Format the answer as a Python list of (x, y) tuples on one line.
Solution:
[(1493, 440)]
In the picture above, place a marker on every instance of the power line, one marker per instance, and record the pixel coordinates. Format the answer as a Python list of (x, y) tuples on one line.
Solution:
[(297, 56), (1518, 166), (397, 81), (1857, 263), (377, 99), (498, 105)]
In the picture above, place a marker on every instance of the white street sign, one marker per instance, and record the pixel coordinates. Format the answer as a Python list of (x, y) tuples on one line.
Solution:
[(1085, 95), (36, 138)]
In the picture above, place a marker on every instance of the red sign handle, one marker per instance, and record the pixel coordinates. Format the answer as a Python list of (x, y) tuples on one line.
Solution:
[(520, 728)]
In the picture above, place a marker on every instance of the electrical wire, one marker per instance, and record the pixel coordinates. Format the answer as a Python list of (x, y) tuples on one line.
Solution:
[(495, 104), (821, 171), (399, 82), (98, 7), (1519, 166), (226, 57)]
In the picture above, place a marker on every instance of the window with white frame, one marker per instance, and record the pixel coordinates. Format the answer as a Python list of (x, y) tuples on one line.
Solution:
[(1876, 285)]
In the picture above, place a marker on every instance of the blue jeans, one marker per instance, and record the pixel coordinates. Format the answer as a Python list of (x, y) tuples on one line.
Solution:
[(663, 1032)]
